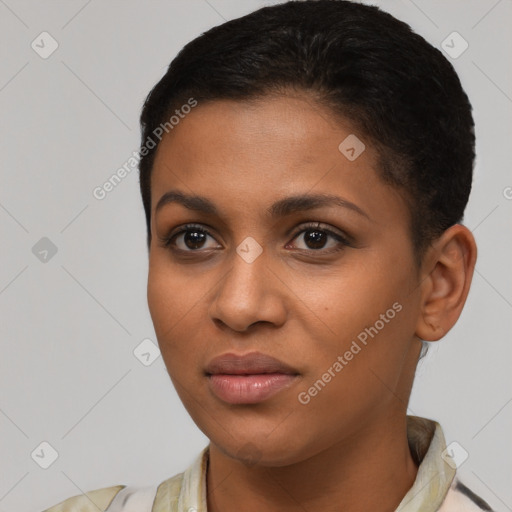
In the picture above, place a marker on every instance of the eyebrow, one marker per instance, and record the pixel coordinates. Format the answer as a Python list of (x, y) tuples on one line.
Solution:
[(281, 208)]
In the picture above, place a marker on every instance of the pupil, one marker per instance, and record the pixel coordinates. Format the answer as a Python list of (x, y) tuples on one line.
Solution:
[(194, 239), (316, 237)]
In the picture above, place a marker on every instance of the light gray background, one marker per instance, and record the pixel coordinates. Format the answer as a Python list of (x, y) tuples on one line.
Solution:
[(69, 326)]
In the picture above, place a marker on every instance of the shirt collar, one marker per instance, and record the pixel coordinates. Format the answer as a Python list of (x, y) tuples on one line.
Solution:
[(435, 473), (186, 492)]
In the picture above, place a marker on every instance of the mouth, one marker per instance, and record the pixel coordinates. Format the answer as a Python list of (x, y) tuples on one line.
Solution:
[(249, 378)]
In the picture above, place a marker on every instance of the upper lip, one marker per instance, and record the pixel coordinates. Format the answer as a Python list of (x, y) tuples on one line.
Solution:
[(247, 364)]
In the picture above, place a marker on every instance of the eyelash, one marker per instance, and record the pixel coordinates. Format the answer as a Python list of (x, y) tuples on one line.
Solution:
[(167, 241)]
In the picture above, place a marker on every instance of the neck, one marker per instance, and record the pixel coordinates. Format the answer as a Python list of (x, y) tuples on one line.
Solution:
[(370, 471)]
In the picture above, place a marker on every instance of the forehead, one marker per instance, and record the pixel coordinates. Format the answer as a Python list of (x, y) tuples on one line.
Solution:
[(292, 126), (254, 151)]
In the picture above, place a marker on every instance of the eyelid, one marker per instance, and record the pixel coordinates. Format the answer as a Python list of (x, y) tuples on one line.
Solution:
[(336, 233), (166, 240)]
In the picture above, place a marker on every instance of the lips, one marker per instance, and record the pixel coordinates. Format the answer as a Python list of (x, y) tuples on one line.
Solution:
[(248, 364), (249, 378)]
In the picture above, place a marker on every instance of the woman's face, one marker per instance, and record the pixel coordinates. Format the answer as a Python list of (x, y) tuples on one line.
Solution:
[(328, 288)]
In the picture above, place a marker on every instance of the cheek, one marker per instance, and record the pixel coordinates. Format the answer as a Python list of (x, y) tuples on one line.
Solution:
[(161, 295), (170, 299), (354, 298), (178, 308), (369, 315)]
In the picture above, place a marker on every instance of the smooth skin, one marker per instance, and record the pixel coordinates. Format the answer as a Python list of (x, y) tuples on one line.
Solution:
[(303, 300)]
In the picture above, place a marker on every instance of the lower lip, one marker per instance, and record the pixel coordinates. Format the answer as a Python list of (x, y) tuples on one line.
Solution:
[(248, 389)]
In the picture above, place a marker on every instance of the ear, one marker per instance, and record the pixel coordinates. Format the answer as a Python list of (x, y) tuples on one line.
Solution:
[(447, 272)]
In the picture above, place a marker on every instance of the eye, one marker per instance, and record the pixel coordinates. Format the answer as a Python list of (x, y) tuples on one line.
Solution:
[(190, 238), (315, 238)]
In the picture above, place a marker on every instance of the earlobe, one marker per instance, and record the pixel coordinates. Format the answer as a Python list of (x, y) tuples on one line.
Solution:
[(449, 267)]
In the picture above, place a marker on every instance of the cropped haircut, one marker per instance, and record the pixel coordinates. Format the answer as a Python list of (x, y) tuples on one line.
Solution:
[(398, 92)]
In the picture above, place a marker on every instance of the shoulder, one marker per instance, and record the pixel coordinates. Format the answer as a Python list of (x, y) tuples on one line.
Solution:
[(92, 501), (462, 499), (167, 495), (124, 498)]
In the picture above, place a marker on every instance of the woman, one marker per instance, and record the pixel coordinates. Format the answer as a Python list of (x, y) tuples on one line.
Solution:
[(304, 171)]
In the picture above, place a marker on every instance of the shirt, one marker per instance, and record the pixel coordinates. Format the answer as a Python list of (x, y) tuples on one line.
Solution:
[(435, 489)]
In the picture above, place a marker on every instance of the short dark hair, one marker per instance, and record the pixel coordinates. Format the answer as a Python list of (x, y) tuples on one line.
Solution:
[(399, 91)]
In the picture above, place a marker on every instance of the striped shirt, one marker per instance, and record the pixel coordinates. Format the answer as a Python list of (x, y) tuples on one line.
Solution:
[(436, 488)]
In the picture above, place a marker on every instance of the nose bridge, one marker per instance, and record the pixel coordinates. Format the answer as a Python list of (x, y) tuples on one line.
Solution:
[(245, 283), (246, 294)]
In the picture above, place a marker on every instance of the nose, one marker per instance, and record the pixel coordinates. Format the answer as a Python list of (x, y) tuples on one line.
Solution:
[(249, 293)]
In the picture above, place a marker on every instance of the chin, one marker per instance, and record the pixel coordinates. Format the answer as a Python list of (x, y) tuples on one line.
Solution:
[(257, 449)]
